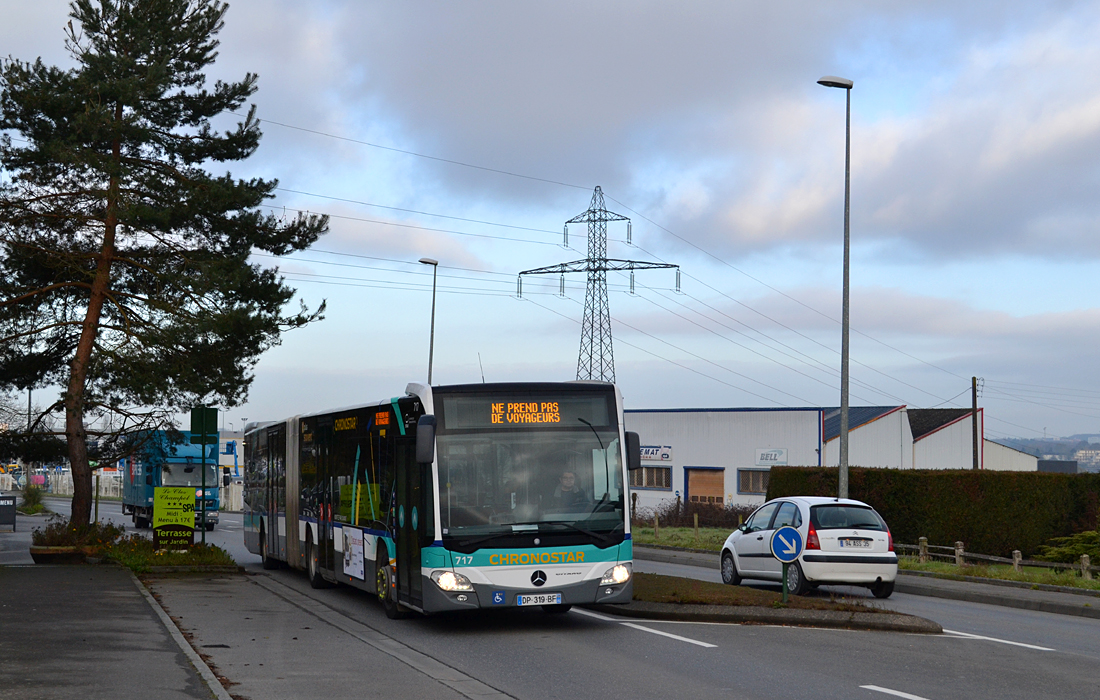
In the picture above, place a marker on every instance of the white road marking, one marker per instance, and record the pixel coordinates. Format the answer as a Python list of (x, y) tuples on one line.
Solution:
[(589, 613), (897, 693), (595, 615), (666, 634), (967, 635)]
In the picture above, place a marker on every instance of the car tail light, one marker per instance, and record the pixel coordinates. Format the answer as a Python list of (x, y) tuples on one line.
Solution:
[(811, 539), (890, 539)]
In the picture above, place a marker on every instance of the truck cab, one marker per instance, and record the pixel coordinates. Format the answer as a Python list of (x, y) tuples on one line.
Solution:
[(162, 464)]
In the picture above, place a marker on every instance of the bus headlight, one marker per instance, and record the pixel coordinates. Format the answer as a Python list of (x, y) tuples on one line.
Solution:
[(620, 573), (450, 581)]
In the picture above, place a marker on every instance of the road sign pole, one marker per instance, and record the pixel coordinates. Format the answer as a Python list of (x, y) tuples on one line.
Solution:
[(785, 565)]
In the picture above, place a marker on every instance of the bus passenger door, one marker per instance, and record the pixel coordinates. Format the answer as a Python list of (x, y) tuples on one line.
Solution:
[(410, 522)]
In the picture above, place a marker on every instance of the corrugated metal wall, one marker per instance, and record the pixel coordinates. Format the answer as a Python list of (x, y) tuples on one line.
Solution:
[(886, 441), (728, 440)]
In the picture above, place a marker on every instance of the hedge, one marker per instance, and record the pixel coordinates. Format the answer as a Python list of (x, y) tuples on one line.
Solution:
[(990, 512)]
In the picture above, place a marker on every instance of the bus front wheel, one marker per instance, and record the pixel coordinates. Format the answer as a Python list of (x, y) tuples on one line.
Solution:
[(387, 592)]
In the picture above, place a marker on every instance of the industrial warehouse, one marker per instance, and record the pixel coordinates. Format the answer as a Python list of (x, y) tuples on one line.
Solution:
[(723, 455)]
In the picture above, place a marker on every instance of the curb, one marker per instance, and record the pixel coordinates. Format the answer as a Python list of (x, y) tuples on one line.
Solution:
[(208, 677), (868, 621), (212, 569), (916, 588), (1004, 582)]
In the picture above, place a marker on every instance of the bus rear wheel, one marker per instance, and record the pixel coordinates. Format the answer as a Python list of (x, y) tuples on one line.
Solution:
[(265, 556), (313, 565)]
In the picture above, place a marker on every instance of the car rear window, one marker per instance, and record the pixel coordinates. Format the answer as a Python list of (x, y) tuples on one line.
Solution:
[(837, 517)]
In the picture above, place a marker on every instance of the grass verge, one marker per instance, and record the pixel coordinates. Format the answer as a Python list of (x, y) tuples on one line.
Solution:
[(1004, 572), (136, 553), (710, 538), (654, 588)]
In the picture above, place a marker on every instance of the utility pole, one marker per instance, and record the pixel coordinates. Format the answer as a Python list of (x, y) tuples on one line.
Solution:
[(974, 416)]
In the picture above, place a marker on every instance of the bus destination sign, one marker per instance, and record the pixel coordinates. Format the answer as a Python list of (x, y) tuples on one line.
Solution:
[(520, 411), (525, 412)]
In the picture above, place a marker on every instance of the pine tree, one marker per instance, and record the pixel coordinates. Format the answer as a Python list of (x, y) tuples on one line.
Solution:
[(125, 276)]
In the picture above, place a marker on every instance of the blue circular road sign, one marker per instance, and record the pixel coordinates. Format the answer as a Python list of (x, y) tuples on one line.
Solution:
[(786, 544)]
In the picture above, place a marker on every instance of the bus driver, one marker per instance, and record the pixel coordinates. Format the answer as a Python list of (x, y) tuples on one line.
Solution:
[(568, 493)]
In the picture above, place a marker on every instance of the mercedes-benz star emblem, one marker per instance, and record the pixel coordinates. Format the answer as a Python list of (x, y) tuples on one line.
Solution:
[(538, 578)]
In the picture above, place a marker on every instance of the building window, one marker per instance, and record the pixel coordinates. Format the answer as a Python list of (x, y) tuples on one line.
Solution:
[(752, 481), (651, 478)]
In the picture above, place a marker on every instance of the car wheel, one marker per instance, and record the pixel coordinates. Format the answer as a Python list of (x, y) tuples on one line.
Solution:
[(882, 589), (729, 569), (796, 580)]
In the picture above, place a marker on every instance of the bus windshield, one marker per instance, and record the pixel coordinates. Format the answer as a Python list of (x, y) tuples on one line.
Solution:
[(188, 475), (505, 482)]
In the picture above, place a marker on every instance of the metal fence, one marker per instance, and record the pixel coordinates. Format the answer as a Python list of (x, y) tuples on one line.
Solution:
[(109, 485)]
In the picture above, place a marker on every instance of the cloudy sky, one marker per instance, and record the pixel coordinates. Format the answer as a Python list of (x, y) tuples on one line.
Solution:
[(470, 132)]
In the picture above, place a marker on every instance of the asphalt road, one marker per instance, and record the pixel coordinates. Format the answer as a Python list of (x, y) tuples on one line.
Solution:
[(1008, 626), (991, 652), (530, 654)]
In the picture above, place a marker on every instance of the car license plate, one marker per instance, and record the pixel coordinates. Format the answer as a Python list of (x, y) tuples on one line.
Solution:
[(856, 543), (539, 599)]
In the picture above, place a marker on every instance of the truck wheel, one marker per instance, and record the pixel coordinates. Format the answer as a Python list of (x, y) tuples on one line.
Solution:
[(210, 527)]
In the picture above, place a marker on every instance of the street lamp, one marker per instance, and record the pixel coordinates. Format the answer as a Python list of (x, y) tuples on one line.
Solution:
[(431, 342), (835, 82)]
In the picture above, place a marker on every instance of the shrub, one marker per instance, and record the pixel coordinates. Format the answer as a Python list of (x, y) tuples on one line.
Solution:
[(675, 513), (1069, 549), (59, 533), (32, 496), (991, 512), (137, 553)]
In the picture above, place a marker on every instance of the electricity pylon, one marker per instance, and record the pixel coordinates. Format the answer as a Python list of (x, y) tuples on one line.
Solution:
[(597, 357)]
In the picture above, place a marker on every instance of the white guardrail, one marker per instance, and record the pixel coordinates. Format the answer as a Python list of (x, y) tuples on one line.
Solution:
[(110, 486)]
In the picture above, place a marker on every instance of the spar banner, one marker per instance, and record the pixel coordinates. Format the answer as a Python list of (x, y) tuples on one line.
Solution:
[(173, 517)]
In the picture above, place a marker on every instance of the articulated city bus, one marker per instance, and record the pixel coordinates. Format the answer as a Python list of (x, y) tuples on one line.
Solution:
[(451, 497)]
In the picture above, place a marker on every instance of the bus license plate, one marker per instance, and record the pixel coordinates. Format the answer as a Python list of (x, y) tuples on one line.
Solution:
[(539, 599), (855, 543)]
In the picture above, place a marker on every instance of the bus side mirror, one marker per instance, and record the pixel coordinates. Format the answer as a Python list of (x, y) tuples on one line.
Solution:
[(226, 478), (149, 479), (425, 440), (633, 451)]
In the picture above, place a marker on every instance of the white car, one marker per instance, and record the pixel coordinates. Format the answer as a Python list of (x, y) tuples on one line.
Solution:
[(844, 542)]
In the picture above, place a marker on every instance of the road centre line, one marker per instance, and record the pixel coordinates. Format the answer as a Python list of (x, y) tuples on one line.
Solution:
[(967, 635), (896, 693), (589, 613)]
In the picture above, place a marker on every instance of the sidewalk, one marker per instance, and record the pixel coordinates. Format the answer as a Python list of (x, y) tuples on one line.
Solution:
[(1008, 594), (87, 632)]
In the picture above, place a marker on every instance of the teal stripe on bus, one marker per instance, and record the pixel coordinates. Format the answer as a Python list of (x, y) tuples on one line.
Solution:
[(397, 412), (548, 556)]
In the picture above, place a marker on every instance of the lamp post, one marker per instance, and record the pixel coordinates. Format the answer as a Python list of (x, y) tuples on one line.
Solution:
[(431, 342), (835, 82)]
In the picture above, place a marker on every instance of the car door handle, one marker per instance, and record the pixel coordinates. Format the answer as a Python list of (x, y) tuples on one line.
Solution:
[(760, 537)]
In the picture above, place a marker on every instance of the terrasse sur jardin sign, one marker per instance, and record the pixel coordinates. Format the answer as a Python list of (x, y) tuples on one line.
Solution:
[(173, 517)]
